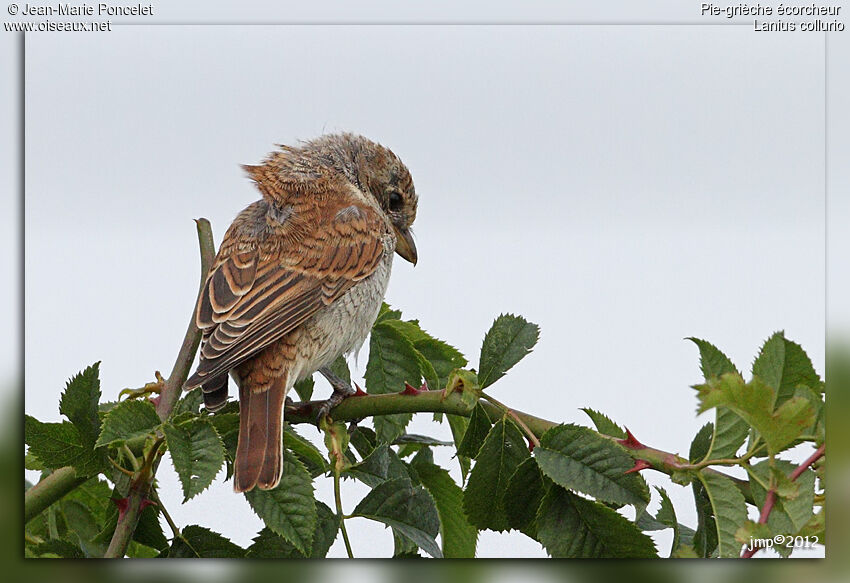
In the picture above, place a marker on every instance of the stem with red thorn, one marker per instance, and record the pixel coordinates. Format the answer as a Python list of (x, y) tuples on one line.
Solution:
[(770, 498)]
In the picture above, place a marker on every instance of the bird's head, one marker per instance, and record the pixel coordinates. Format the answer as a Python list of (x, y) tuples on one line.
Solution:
[(376, 170)]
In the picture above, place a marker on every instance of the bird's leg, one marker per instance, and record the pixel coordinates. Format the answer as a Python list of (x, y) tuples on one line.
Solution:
[(341, 390)]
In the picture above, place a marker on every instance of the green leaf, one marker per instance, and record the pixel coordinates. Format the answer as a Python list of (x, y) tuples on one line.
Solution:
[(304, 388), (753, 402), (443, 357), (705, 537), (57, 549), (701, 443), (458, 536), (198, 541), (667, 515), (794, 505), (59, 444), (387, 313), (509, 339), (190, 404), (459, 424), (393, 361), (569, 526), (713, 362), (476, 432), (523, 495), (604, 424), (420, 439), (497, 460), (364, 440), (784, 365), (728, 509), (289, 509), (308, 453), (408, 509), (730, 430), (79, 402), (268, 545), (196, 452), (127, 420), (340, 368), (578, 458), (373, 469)]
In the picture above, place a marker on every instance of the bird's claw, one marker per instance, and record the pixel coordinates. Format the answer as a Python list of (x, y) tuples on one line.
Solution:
[(149, 388), (338, 396)]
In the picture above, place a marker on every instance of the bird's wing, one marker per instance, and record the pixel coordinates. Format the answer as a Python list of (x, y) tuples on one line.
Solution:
[(257, 293)]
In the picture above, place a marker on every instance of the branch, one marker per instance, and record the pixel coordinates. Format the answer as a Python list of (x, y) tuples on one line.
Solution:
[(49, 490), (770, 498), (359, 407), (169, 396), (180, 372)]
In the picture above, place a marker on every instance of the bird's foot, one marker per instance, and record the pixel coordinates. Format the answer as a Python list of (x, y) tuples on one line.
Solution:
[(341, 390), (149, 388)]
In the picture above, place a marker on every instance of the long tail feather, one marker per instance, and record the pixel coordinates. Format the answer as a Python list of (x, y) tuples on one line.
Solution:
[(258, 453)]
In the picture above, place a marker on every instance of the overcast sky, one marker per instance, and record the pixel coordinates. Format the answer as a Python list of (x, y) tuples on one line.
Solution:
[(622, 186)]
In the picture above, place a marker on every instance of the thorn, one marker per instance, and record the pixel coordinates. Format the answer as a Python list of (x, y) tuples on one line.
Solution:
[(530, 445), (424, 386), (630, 441), (409, 390), (122, 504), (358, 391), (155, 400), (145, 503), (639, 465)]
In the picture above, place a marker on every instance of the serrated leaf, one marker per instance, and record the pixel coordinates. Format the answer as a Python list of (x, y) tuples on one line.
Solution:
[(289, 509), (268, 545), (790, 513), (784, 365), (304, 388), (59, 444), (308, 453), (476, 432), (507, 342), (728, 509), (713, 362), (503, 450), (604, 424), (701, 443), (373, 469), (128, 420), (364, 440), (442, 356), (387, 313), (458, 536), (408, 509), (196, 452), (667, 516), (705, 537), (57, 548), (198, 541), (569, 526), (578, 458), (79, 402), (522, 497), (392, 362), (753, 402), (420, 439), (189, 405)]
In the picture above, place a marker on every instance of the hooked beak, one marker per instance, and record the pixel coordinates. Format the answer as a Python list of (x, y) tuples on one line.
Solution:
[(405, 246)]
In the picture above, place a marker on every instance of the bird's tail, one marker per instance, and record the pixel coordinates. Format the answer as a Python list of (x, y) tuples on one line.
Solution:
[(259, 452)]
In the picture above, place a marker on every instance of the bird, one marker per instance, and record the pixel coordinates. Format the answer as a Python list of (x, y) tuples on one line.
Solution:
[(298, 280)]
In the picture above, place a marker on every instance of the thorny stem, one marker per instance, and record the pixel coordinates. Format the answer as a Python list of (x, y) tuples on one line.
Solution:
[(770, 498)]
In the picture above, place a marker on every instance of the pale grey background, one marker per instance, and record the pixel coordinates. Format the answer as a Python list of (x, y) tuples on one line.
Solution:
[(624, 187)]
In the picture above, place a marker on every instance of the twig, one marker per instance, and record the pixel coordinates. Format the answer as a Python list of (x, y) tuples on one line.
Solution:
[(338, 501), (770, 498), (510, 412), (168, 399), (49, 490)]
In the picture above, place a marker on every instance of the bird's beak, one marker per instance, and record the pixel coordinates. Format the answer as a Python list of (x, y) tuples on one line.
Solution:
[(405, 246)]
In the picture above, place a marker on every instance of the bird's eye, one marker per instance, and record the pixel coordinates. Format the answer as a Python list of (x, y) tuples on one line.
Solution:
[(395, 201)]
